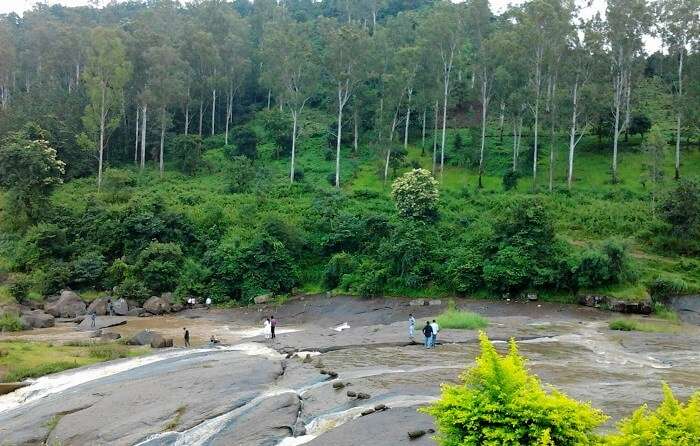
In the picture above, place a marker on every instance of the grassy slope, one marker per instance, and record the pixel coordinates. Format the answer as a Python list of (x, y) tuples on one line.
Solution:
[(594, 210)]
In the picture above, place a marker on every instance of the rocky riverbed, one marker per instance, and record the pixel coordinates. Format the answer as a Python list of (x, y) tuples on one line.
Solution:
[(335, 360)]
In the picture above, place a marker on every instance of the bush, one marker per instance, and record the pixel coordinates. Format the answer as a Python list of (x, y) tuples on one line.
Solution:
[(193, 279), (240, 175), (132, 289), (500, 403), (368, 280), (187, 153), (464, 271), (246, 142), (41, 242), (609, 265), (681, 210), (10, 322), (88, 270), (52, 278), (159, 266), (509, 270), (214, 142), (510, 180), (20, 287), (339, 265), (116, 273), (416, 195), (672, 423), (461, 320), (661, 288)]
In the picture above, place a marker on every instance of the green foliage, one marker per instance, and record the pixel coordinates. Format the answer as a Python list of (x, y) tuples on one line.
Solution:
[(42, 242), (240, 174), (416, 195), (680, 209), (193, 279), (132, 289), (278, 128), (246, 143), (461, 320), (339, 265), (187, 153), (20, 287), (672, 423), (88, 269), (510, 180), (159, 266), (606, 266), (52, 277), (498, 402), (464, 270), (10, 322), (29, 171), (368, 280), (661, 288), (635, 325)]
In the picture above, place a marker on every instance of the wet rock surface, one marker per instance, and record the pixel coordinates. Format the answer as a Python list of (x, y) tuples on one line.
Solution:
[(67, 305), (261, 397)]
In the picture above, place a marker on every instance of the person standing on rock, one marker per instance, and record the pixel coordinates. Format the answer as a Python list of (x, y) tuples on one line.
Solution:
[(110, 307), (267, 328), (187, 337), (273, 324), (411, 327), (93, 316), (208, 303), (428, 333), (436, 330)]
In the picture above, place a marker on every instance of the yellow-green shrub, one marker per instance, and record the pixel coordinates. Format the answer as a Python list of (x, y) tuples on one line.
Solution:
[(671, 424), (500, 403)]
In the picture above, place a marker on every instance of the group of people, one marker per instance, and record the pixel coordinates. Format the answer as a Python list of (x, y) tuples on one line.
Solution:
[(269, 327), (192, 302), (430, 331)]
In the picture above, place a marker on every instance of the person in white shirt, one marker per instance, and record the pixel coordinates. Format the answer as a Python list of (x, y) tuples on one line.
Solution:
[(411, 326), (267, 328), (436, 329), (208, 302)]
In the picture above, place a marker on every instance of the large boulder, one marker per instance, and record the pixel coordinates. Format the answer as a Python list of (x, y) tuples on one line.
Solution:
[(120, 307), (135, 311), (100, 323), (98, 306), (157, 305), (37, 319), (622, 306), (159, 341), (69, 305), (262, 299), (144, 337), (593, 300)]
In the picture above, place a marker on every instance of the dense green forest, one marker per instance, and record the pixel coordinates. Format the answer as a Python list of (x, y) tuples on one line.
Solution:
[(402, 147)]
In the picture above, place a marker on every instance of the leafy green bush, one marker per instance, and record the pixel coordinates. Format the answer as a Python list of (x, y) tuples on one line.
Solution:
[(132, 289), (464, 271), (53, 277), (461, 320), (510, 180), (42, 242), (88, 269), (240, 175), (623, 325), (608, 265), (10, 322), (246, 143), (339, 265), (672, 423), (499, 403), (193, 279), (510, 270), (187, 152), (368, 280), (661, 288), (159, 266), (116, 273), (416, 195), (20, 287)]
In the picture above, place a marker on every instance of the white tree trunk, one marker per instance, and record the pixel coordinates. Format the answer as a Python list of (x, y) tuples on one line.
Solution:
[(408, 119), (435, 133), (356, 131), (422, 144), (538, 92), (269, 98), (162, 140), (201, 117), (515, 145), (295, 118), (136, 142), (144, 116), (502, 120), (341, 105), (572, 135), (678, 114), (187, 112), (484, 110), (444, 130), (213, 111), (229, 107), (103, 117), (386, 163)]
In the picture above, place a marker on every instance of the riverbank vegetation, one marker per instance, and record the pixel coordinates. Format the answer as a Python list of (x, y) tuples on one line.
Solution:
[(238, 149), (461, 319), (20, 360), (500, 402)]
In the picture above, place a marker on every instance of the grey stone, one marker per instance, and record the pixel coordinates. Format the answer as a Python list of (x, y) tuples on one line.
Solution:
[(416, 434), (262, 299), (110, 336), (136, 311), (100, 323), (37, 319), (143, 337), (363, 396), (338, 385), (532, 297), (120, 307), (176, 308), (434, 302), (380, 407), (159, 341), (351, 394), (157, 305), (416, 302), (366, 412), (68, 305), (98, 306)]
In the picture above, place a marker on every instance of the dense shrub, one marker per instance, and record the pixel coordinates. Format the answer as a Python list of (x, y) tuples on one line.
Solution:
[(416, 195), (681, 210), (240, 174), (464, 270), (10, 322), (510, 180), (246, 143), (672, 423), (609, 264), (187, 152), (368, 280), (52, 277), (132, 289), (115, 273), (339, 265), (498, 402), (88, 269), (661, 288), (193, 279), (42, 242), (510, 270), (159, 266), (20, 287)]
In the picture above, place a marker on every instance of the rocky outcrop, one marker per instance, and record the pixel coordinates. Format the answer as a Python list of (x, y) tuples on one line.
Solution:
[(157, 305), (100, 323), (136, 311), (37, 319), (120, 307), (688, 308), (152, 338), (620, 306), (262, 299), (68, 305), (98, 306)]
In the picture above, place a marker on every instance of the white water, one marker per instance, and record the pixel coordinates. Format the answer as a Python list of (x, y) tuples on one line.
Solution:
[(253, 332), (343, 326), (56, 383)]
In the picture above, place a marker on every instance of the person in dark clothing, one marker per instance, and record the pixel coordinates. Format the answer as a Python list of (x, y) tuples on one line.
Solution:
[(187, 337), (428, 333), (273, 324)]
